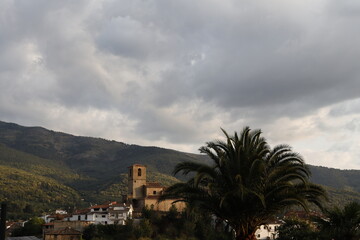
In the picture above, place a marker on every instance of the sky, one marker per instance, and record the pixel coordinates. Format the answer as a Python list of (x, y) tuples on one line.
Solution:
[(172, 73)]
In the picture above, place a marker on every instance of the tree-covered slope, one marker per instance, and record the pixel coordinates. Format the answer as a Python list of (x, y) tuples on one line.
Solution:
[(31, 193), (96, 168), (91, 157), (36, 165), (348, 180)]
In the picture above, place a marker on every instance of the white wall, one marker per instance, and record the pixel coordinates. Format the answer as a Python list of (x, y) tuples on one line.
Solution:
[(267, 231)]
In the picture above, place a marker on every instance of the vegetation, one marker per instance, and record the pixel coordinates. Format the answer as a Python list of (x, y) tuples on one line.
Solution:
[(33, 227), (38, 166), (28, 194), (248, 182), (342, 223), (189, 225), (96, 169), (337, 224), (341, 179)]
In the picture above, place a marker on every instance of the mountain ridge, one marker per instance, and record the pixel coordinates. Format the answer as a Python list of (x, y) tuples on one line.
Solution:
[(95, 168)]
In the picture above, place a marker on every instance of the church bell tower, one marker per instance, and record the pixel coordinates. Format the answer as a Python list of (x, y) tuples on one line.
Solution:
[(136, 181)]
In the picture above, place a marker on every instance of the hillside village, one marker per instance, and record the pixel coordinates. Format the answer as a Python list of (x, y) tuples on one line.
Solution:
[(141, 194), (119, 200)]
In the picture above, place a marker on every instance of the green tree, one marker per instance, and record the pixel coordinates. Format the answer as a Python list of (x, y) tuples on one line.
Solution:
[(28, 209), (248, 182), (342, 223), (144, 229), (90, 232), (33, 227)]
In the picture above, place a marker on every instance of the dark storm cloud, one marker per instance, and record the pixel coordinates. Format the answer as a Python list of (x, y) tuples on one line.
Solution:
[(276, 63), (173, 72)]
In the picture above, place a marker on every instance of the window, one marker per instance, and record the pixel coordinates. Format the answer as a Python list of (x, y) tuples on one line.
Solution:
[(154, 192), (139, 172), (79, 218), (103, 216)]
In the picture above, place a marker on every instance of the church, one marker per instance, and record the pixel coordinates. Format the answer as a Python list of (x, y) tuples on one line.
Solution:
[(142, 193)]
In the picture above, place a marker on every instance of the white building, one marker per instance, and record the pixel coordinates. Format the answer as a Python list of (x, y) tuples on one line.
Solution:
[(60, 211), (111, 213), (268, 231)]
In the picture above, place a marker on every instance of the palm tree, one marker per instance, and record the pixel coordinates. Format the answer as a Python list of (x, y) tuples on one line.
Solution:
[(342, 223), (247, 183)]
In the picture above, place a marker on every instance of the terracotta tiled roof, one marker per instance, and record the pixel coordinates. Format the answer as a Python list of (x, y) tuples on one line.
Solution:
[(48, 224), (82, 211), (64, 231), (153, 185)]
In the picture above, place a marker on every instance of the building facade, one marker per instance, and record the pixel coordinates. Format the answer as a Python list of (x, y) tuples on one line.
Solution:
[(110, 213), (146, 194)]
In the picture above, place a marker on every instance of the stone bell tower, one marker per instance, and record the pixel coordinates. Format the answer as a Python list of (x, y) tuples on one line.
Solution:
[(136, 182)]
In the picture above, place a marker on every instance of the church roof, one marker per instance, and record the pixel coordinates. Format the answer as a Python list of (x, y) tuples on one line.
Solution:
[(153, 185)]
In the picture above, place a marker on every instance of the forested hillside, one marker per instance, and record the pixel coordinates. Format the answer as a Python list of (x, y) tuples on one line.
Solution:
[(342, 179), (28, 193), (94, 169)]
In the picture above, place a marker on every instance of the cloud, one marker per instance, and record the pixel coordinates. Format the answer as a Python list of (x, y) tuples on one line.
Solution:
[(171, 73)]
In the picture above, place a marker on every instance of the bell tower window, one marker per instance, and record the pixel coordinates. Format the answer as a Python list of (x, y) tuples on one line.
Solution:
[(139, 172)]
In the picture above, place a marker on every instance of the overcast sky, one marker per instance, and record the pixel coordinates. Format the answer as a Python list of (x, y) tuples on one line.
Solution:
[(171, 73)]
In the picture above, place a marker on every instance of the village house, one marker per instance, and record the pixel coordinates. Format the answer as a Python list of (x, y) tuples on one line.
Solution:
[(268, 231), (111, 213), (67, 233), (71, 226), (64, 230)]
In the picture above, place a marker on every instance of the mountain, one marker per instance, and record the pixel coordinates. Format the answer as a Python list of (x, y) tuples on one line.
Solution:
[(342, 179), (94, 169)]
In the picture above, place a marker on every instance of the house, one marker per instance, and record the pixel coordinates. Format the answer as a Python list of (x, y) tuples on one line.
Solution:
[(142, 193), (59, 224), (60, 211), (53, 217), (268, 231), (110, 213), (66, 233), (119, 213)]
